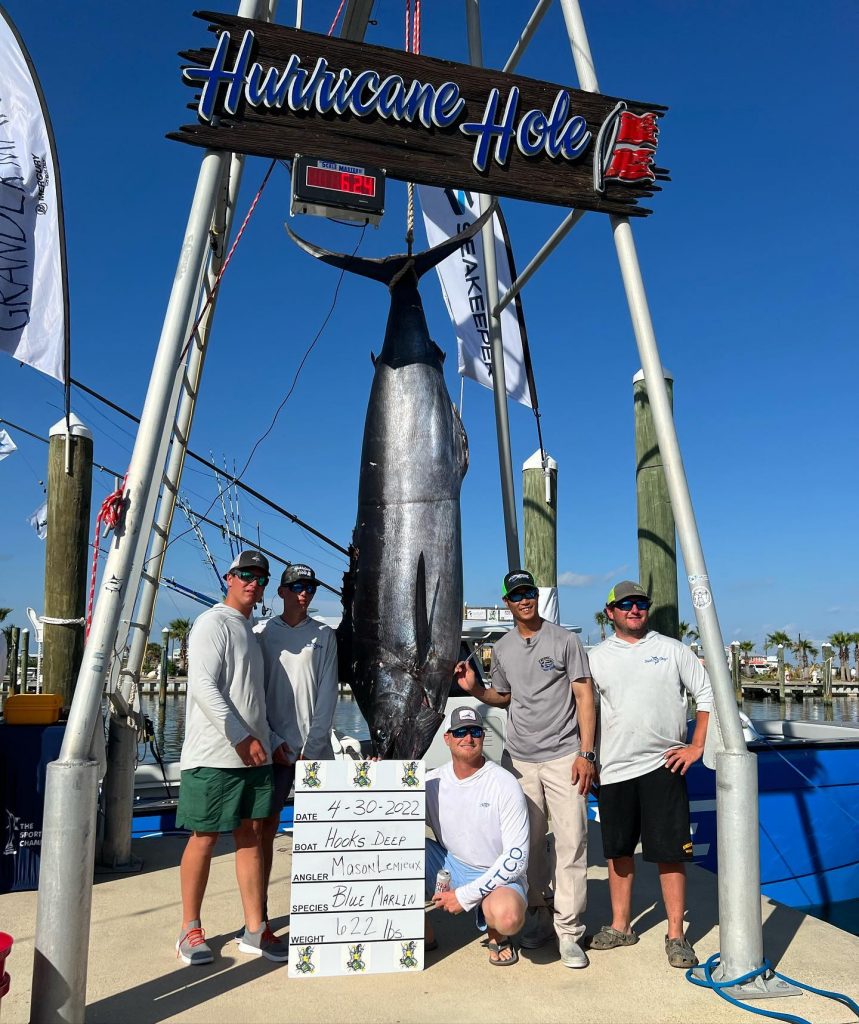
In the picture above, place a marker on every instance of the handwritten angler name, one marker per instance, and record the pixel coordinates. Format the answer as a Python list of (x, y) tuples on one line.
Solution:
[(365, 93)]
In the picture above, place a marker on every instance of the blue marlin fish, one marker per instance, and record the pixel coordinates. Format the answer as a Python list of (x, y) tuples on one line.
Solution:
[(402, 599)]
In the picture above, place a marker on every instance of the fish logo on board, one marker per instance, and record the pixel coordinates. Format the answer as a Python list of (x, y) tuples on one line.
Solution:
[(410, 774), (408, 959), (362, 775), (311, 775), (305, 963), (355, 959)]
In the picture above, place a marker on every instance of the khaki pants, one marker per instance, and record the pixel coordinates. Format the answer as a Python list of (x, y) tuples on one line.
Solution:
[(548, 787)]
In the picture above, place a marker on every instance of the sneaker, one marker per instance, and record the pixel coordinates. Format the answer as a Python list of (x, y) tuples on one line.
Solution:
[(264, 943), (538, 928), (191, 946), (572, 954)]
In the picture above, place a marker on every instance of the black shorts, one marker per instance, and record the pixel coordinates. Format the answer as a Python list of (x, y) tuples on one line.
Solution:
[(653, 808), (283, 778)]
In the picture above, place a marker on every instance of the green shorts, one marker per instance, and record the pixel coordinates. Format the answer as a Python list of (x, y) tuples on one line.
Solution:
[(219, 799)]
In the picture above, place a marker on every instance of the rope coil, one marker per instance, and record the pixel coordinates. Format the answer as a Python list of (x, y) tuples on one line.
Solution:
[(110, 515)]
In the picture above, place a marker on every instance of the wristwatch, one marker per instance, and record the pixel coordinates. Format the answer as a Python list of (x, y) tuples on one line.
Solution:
[(588, 755)]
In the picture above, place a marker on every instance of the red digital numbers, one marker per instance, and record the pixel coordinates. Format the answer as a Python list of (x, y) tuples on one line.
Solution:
[(341, 181)]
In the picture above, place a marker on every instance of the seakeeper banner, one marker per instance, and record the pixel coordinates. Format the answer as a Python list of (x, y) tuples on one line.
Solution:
[(463, 284), (33, 317)]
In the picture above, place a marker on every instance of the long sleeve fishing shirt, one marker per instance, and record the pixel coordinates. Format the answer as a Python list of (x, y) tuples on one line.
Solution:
[(300, 684), (226, 694), (642, 702), (483, 822)]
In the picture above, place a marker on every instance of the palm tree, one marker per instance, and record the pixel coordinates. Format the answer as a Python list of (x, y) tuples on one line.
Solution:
[(804, 649), (747, 646), (4, 612), (779, 637), (180, 628), (687, 632), (842, 641), (602, 620)]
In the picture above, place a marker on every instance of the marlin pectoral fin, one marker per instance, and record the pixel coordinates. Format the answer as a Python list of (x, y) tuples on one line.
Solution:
[(422, 628)]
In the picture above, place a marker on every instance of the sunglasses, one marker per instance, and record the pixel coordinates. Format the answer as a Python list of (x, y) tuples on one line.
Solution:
[(299, 588), (248, 577), (467, 730), (520, 595), (628, 603)]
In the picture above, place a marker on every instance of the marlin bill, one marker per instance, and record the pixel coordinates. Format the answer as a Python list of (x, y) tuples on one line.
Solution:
[(402, 599)]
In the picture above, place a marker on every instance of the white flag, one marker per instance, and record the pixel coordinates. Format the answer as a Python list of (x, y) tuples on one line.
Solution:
[(463, 283), (32, 254), (7, 445), (39, 520)]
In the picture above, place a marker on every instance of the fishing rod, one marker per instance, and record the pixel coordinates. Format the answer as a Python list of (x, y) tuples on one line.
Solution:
[(203, 519), (233, 480)]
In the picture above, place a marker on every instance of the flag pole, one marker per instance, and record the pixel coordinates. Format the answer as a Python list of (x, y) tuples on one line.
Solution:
[(499, 384)]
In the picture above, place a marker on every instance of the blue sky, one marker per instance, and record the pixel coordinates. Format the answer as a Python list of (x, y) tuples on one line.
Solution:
[(749, 262)]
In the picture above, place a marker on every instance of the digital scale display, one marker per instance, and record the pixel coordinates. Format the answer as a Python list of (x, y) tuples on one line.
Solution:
[(341, 191), (341, 181)]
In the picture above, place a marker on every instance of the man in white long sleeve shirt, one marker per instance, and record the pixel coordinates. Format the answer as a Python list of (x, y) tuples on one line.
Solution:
[(300, 657), (478, 814), (226, 761), (643, 679)]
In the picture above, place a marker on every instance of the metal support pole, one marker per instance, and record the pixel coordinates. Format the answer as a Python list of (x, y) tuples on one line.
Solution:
[(739, 894), (25, 658), (65, 893), (499, 385), (162, 679), (527, 32), (546, 250), (826, 652), (13, 659), (781, 687), (736, 676)]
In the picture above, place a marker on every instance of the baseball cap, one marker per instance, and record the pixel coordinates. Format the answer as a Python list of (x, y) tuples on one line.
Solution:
[(515, 579), (627, 588), (297, 573), (249, 560), (463, 716)]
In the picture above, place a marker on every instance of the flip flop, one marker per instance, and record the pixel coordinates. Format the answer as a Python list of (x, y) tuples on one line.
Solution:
[(610, 938), (498, 947)]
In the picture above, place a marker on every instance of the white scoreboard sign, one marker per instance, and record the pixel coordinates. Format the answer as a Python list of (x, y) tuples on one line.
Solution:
[(357, 903)]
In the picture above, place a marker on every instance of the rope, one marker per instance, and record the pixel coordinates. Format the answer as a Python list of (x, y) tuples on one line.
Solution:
[(110, 514), (765, 968), (210, 298), (336, 17), (413, 45), (51, 621)]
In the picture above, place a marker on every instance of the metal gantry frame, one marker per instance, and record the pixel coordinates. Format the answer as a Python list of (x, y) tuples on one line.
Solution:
[(65, 883)]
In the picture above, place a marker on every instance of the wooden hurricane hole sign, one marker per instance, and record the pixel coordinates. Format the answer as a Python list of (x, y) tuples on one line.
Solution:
[(268, 90)]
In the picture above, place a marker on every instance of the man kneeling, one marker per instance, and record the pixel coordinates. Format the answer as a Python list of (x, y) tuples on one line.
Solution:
[(478, 814)]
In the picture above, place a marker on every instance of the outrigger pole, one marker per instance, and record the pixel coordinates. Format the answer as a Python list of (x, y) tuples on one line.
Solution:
[(68, 840), (740, 928), (499, 384)]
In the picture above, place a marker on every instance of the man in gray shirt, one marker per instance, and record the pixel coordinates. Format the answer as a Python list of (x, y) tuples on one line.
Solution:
[(226, 762), (540, 673)]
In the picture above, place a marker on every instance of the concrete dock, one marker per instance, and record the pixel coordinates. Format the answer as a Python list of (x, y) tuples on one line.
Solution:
[(135, 978)]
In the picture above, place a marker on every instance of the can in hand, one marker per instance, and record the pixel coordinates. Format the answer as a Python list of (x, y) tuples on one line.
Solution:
[(442, 881)]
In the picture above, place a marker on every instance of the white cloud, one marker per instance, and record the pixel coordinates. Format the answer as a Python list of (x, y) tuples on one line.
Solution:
[(578, 579)]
